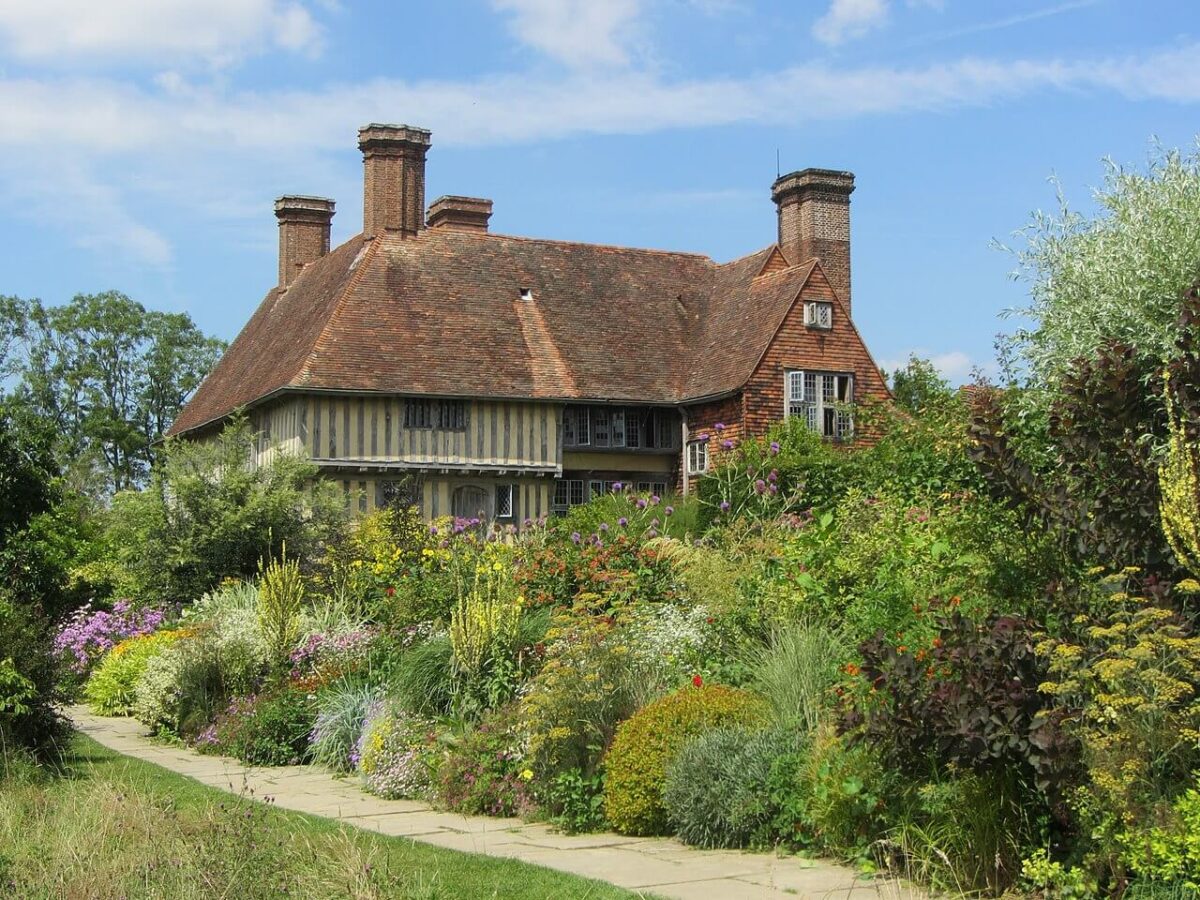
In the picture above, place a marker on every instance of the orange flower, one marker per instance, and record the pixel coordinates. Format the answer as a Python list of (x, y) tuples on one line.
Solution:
[(955, 601), (902, 648), (937, 642), (852, 669)]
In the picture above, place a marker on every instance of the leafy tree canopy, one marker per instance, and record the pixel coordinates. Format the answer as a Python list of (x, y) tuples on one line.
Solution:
[(108, 375), (1116, 277)]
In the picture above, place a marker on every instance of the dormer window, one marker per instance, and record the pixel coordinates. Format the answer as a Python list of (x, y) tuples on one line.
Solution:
[(818, 314), (527, 294)]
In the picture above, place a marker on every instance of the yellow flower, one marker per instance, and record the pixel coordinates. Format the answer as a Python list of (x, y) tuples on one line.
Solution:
[(527, 774)]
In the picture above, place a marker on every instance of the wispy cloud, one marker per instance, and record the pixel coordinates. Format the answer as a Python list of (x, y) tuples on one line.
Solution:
[(577, 33), (1002, 23), (955, 366), (849, 19), (71, 33), (172, 134)]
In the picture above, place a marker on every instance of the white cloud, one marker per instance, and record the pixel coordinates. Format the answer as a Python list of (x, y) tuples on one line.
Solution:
[(114, 117), (849, 19), (163, 139), (69, 197), (216, 32), (955, 366), (577, 33)]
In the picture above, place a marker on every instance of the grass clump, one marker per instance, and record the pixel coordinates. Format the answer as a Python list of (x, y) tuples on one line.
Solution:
[(110, 826)]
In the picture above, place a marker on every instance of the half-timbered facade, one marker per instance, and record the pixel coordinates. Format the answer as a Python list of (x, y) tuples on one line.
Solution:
[(429, 360)]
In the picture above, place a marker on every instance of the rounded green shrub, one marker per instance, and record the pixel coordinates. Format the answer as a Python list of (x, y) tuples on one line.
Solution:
[(717, 792), (112, 688), (647, 743)]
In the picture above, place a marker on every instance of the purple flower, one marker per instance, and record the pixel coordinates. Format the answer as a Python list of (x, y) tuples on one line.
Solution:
[(703, 436), (528, 522), (727, 444), (774, 448), (724, 506), (720, 426), (670, 511), (617, 486), (773, 476), (604, 526), (651, 533), (774, 489), (575, 537), (760, 486), (654, 499), (433, 530), (641, 503), (622, 521)]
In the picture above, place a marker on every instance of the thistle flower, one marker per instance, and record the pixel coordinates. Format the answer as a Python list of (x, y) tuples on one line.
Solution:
[(727, 444), (774, 448), (575, 537), (622, 521), (773, 476), (760, 486), (720, 426), (724, 506), (670, 511)]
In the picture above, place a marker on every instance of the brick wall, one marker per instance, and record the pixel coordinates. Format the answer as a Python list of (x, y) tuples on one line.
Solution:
[(840, 349)]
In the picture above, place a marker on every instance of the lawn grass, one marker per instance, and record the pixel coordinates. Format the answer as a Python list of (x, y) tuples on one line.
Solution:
[(111, 826)]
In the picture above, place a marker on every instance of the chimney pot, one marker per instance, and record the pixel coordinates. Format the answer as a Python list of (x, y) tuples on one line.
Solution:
[(460, 213), (814, 222), (393, 178), (303, 233)]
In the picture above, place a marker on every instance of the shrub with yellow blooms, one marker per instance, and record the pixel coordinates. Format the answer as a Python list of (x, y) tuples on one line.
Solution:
[(483, 632)]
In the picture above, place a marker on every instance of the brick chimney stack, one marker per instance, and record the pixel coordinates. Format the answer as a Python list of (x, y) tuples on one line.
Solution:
[(460, 213), (303, 233), (814, 221), (393, 178)]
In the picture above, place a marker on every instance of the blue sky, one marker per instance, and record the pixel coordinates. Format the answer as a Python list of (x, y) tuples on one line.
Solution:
[(142, 143)]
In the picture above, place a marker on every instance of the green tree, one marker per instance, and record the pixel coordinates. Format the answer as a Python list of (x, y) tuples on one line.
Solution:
[(29, 589), (109, 375), (208, 514), (1117, 276), (919, 385)]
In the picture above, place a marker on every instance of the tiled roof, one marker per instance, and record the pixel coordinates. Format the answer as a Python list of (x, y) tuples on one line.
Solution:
[(442, 313)]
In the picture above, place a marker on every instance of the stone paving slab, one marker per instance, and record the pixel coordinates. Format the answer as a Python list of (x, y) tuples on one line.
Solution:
[(663, 867)]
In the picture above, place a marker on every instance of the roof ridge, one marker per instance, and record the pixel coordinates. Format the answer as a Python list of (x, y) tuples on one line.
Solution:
[(367, 253), (485, 235), (749, 255)]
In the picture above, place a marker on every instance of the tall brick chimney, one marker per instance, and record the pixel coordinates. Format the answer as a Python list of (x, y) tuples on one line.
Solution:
[(393, 178), (303, 233), (814, 221)]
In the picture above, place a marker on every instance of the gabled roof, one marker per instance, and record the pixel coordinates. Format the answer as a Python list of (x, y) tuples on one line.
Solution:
[(442, 313)]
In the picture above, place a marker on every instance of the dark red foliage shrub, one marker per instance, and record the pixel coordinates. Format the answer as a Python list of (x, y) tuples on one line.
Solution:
[(970, 700)]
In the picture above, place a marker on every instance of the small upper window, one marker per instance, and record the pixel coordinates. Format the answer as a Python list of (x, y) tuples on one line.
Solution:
[(452, 415), (818, 314), (697, 457), (418, 414)]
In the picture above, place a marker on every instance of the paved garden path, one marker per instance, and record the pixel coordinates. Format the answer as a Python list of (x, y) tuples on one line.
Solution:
[(658, 866)]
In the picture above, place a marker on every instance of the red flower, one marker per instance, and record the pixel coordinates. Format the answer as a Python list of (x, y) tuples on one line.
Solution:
[(710, 620), (697, 680), (390, 591)]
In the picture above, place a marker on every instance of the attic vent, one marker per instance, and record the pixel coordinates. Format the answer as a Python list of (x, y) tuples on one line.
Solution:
[(526, 293)]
